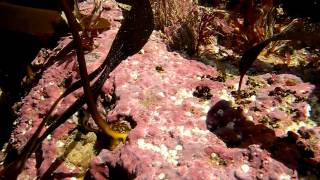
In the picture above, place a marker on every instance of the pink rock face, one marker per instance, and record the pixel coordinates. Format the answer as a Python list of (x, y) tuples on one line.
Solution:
[(182, 131)]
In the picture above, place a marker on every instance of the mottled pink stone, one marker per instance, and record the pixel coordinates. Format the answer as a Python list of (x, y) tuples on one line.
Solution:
[(171, 139)]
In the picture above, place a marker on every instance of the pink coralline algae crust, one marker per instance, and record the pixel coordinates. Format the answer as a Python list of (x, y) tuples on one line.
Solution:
[(177, 135)]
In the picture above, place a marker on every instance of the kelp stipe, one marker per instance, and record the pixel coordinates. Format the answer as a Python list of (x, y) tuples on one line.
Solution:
[(131, 37), (297, 30)]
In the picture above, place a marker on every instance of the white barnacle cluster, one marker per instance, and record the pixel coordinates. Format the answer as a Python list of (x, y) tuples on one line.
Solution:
[(134, 75), (284, 177), (170, 155), (60, 144), (183, 132), (204, 106), (245, 168), (191, 132), (196, 133), (162, 176), (135, 62), (180, 96), (199, 132)]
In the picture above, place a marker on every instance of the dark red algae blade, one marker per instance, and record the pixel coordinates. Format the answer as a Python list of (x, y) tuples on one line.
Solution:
[(249, 57)]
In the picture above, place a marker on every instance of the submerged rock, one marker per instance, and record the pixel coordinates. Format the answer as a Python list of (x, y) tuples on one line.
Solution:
[(177, 134)]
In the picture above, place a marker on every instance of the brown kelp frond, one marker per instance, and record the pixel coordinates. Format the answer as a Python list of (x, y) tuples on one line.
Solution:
[(131, 37), (297, 30), (249, 57), (90, 100)]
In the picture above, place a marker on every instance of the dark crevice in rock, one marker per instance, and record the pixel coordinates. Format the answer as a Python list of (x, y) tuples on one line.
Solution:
[(119, 172)]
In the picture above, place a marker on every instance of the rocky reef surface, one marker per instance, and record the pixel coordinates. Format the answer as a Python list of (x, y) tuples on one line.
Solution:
[(188, 122)]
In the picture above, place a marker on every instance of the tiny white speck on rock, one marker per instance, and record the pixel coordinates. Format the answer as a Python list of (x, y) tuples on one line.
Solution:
[(188, 114), (161, 94), (178, 148), (51, 83), (245, 168), (220, 112), (230, 125), (250, 118), (134, 75), (284, 177), (199, 132), (59, 144), (213, 155), (49, 137), (161, 176), (203, 118)]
